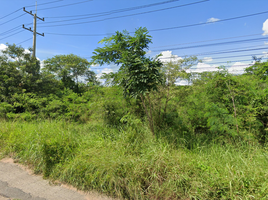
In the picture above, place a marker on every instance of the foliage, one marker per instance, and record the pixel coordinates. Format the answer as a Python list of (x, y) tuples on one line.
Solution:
[(68, 68), (139, 75), (130, 164), (210, 137)]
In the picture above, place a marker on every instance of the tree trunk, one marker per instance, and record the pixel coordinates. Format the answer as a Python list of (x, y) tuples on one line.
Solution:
[(232, 96), (167, 100), (148, 116), (151, 115)]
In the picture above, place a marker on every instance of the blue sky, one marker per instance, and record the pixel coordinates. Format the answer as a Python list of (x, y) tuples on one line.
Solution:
[(165, 41)]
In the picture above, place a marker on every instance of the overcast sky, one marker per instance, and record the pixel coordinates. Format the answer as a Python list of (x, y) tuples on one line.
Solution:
[(210, 21)]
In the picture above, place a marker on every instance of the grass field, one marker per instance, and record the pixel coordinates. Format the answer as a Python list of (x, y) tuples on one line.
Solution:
[(131, 164)]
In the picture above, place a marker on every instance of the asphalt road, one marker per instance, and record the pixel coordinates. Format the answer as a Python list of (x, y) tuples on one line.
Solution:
[(18, 182)]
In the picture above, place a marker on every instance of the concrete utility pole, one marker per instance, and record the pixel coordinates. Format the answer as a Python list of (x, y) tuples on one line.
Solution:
[(34, 28)]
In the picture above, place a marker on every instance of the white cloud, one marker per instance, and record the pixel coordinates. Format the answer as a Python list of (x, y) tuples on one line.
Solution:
[(181, 82), (168, 57), (212, 19), (266, 43), (207, 59), (265, 54), (27, 51), (104, 71), (149, 52), (238, 68), (3, 47), (95, 65), (42, 64), (265, 27), (203, 67)]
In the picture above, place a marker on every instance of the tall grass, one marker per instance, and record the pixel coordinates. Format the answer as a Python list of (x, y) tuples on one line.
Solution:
[(130, 163)]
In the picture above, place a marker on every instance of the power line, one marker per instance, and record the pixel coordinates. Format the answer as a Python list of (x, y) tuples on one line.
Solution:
[(65, 5), (10, 30), (24, 41), (213, 67), (203, 23), (213, 44), (118, 10), (236, 56), (216, 58), (237, 50), (229, 62), (152, 30), (27, 6), (11, 35), (45, 3), (13, 19), (10, 13), (194, 68), (82, 35), (146, 12), (224, 52), (207, 40), (123, 15)]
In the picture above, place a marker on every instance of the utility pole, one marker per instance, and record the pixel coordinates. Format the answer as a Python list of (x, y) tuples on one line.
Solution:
[(34, 28)]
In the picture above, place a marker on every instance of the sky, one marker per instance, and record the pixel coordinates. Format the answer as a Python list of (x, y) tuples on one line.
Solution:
[(218, 32)]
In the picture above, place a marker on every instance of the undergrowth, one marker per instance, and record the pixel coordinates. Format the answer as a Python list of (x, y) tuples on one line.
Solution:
[(129, 163)]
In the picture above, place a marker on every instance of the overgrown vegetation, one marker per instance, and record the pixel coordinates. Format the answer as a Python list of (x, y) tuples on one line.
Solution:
[(203, 141)]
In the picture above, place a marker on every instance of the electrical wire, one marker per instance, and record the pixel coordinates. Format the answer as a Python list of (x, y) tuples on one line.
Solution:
[(65, 5), (153, 30), (24, 41), (10, 30), (213, 44), (10, 14), (213, 67), (27, 6), (229, 62), (216, 58), (11, 35), (173, 7), (224, 52), (117, 11), (13, 19), (99, 20), (240, 49), (82, 35), (44, 3), (237, 56), (203, 23), (207, 40)]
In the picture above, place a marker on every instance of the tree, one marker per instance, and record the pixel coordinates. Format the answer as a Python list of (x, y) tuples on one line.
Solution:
[(172, 70), (140, 75), (19, 68), (91, 77), (176, 68), (68, 68), (258, 69)]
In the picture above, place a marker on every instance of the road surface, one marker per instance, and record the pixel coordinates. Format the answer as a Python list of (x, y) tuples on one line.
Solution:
[(18, 182)]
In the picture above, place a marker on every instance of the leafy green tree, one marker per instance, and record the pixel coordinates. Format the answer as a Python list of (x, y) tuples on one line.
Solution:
[(10, 78), (259, 69), (176, 68), (68, 68), (172, 70), (140, 75), (19, 68), (91, 77)]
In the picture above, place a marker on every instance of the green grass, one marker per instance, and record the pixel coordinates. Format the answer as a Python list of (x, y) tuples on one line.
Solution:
[(131, 164)]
